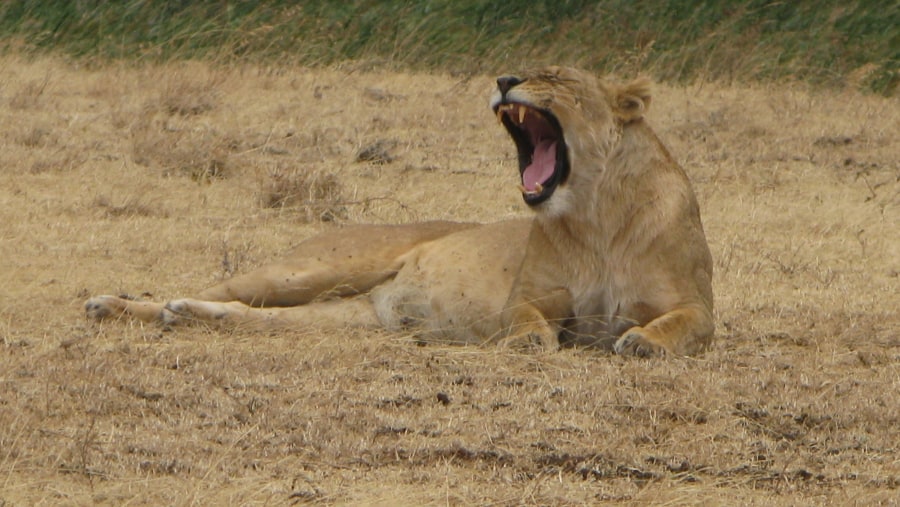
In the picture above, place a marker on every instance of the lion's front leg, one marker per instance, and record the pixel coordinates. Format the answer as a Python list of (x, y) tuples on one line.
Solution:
[(528, 329), (683, 331), (534, 322)]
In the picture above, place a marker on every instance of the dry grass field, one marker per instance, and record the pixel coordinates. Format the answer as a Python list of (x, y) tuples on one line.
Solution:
[(161, 180)]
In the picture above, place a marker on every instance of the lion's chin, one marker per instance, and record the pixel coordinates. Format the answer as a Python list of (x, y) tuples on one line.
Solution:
[(559, 206)]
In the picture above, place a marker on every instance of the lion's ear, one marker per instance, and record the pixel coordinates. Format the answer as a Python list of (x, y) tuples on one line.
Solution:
[(633, 100)]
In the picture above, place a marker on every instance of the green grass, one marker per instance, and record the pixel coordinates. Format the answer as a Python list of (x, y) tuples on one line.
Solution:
[(827, 43)]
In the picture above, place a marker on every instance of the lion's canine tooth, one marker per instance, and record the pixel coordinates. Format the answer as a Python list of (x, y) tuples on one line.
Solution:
[(521, 114), (538, 188), (500, 114), (521, 188)]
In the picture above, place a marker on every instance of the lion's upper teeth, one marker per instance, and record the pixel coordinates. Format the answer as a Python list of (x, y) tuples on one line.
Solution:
[(516, 111)]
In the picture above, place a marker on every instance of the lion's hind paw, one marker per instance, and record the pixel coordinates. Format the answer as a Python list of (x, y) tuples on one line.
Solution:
[(183, 311), (102, 307)]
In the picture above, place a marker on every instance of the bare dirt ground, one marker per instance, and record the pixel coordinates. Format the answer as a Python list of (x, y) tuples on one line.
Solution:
[(166, 179)]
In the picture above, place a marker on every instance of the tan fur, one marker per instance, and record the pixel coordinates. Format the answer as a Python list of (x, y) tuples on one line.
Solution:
[(615, 258)]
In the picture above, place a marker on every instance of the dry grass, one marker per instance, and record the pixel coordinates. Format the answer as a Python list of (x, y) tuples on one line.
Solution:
[(315, 194), (797, 403)]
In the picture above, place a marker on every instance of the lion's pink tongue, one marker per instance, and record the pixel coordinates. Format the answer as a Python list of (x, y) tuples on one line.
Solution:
[(542, 165)]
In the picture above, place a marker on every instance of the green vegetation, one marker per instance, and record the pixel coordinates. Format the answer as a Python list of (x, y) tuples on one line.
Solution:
[(825, 42)]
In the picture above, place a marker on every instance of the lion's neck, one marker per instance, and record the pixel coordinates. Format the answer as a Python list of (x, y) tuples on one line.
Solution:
[(573, 237), (592, 215)]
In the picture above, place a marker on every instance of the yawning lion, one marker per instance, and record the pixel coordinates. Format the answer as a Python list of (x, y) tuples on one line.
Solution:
[(615, 255)]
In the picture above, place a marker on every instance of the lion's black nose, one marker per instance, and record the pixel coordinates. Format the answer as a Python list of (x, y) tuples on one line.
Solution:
[(505, 83)]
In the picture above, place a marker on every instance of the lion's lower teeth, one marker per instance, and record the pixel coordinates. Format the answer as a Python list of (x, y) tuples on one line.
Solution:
[(538, 188)]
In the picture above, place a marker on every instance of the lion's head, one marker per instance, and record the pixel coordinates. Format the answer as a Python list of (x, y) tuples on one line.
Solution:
[(564, 123)]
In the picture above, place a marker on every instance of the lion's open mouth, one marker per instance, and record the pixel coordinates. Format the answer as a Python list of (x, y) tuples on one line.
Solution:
[(543, 159)]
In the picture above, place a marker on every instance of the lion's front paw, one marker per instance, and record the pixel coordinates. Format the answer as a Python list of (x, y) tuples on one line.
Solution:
[(101, 307), (635, 343)]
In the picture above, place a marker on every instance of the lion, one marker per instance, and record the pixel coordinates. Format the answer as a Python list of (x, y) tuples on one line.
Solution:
[(614, 255)]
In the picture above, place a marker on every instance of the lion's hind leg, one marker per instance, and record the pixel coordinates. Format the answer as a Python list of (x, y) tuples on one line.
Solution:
[(106, 307), (289, 284), (350, 312), (324, 278), (301, 281), (341, 263)]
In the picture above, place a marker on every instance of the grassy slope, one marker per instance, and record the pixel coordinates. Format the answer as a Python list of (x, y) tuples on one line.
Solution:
[(829, 42)]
